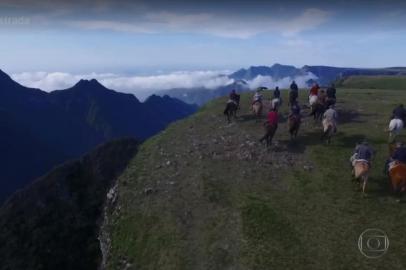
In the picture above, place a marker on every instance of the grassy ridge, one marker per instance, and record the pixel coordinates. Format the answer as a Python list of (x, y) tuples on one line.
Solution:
[(207, 195), (374, 82)]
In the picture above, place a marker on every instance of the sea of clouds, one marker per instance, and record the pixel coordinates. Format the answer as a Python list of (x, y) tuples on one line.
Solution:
[(143, 86)]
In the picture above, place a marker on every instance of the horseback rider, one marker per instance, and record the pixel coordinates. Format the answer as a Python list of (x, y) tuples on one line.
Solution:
[(399, 112), (399, 155), (295, 111), (322, 97), (271, 126), (257, 97), (362, 151), (276, 93), (314, 91), (293, 93), (234, 97), (331, 95), (293, 86)]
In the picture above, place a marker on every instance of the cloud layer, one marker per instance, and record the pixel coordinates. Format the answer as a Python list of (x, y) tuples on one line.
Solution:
[(143, 86)]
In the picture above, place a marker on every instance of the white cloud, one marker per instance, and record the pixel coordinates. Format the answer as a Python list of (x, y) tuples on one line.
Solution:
[(111, 25), (141, 86), (213, 24), (270, 82), (309, 19)]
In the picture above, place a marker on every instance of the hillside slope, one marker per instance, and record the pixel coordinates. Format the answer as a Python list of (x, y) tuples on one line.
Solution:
[(374, 82), (206, 195), (54, 223)]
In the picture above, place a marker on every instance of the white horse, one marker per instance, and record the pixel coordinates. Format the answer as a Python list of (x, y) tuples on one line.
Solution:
[(276, 103), (395, 127), (312, 100)]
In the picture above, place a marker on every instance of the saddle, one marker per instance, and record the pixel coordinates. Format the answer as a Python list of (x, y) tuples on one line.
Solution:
[(355, 161), (394, 164), (232, 101)]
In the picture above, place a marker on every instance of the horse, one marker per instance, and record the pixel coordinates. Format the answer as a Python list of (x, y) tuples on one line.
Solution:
[(397, 176), (293, 124), (330, 101), (395, 127), (361, 172), (329, 128), (317, 111), (269, 133), (276, 103), (397, 173), (312, 100), (231, 110), (293, 95), (257, 108)]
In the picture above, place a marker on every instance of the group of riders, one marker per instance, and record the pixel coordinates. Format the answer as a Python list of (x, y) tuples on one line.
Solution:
[(322, 104), (363, 152)]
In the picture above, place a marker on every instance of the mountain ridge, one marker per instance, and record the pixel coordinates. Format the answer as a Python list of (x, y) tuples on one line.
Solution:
[(66, 123)]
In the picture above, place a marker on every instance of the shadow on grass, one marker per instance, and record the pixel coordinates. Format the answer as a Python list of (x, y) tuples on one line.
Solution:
[(250, 117), (303, 140), (348, 116)]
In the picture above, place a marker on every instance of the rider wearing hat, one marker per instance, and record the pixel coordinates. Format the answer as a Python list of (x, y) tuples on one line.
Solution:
[(276, 93), (363, 151)]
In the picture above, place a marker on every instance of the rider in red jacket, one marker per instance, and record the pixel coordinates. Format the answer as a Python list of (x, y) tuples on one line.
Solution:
[(314, 91), (273, 118)]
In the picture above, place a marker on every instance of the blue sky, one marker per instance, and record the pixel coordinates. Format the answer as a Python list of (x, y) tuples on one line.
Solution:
[(145, 37)]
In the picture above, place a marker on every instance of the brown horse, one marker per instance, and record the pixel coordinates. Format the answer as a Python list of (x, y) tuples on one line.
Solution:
[(293, 124), (361, 171), (257, 109), (397, 173)]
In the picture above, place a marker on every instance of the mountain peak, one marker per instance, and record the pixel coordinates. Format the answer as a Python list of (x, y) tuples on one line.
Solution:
[(89, 83)]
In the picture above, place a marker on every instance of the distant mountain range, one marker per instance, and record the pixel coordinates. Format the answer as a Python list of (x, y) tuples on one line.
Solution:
[(281, 75), (39, 130), (202, 95), (277, 72)]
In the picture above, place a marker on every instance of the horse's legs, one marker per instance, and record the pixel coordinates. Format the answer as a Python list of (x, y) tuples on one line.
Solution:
[(364, 183)]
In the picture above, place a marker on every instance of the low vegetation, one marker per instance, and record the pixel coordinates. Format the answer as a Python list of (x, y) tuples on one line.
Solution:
[(204, 194), (374, 82)]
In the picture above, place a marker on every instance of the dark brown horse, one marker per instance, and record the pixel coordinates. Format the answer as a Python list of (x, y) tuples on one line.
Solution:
[(294, 125), (232, 108), (317, 111), (269, 133)]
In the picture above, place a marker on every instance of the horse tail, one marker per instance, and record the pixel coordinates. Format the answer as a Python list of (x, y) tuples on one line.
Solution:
[(328, 131)]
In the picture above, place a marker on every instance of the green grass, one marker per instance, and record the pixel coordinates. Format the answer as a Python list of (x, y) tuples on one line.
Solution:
[(374, 82), (223, 204)]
